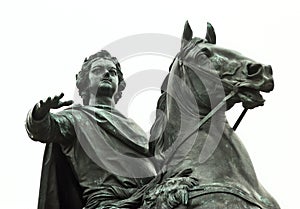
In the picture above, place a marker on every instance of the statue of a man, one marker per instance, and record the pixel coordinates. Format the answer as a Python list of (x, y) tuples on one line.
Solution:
[(87, 146)]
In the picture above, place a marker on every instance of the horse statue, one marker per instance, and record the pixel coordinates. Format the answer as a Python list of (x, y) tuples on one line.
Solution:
[(202, 162)]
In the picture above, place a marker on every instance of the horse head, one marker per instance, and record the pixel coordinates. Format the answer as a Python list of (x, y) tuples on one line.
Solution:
[(219, 71), (204, 81)]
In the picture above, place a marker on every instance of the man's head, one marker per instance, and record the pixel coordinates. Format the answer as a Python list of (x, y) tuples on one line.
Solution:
[(99, 66)]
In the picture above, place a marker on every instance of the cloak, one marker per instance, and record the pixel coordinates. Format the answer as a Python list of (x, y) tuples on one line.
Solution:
[(59, 187)]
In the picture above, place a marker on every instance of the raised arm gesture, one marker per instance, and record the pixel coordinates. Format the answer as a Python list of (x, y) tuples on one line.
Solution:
[(42, 108)]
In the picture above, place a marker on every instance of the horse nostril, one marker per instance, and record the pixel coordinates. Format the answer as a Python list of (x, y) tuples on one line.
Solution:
[(269, 86), (253, 69), (269, 69)]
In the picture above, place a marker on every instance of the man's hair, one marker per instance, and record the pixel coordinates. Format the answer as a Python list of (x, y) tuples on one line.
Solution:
[(82, 78)]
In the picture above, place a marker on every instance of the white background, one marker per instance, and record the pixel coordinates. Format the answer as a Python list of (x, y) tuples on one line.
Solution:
[(43, 44)]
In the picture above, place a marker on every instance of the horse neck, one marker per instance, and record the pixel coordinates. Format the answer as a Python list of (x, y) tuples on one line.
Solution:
[(184, 104), (177, 116)]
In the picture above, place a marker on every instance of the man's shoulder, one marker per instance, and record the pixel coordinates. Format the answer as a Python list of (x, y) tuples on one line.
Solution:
[(72, 112), (79, 111)]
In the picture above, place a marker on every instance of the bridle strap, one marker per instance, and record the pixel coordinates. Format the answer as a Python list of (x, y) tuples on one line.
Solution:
[(237, 123), (216, 108), (211, 113), (208, 116), (219, 106)]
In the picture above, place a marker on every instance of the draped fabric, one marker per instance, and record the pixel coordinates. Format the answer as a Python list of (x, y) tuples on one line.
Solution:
[(59, 188), (95, 157)]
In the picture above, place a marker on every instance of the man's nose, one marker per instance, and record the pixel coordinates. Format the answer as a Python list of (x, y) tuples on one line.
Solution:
[(106, 73)]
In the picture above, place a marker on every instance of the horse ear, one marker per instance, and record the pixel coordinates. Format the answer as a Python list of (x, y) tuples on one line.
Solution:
[(210, 34), (187, 34)]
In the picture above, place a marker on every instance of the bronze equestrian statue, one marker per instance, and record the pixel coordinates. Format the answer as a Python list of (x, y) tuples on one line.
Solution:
[(194, 158), (203, 163)]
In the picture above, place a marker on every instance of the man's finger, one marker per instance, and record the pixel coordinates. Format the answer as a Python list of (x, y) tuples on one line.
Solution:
[(185, 197), (61, 95), (48, 100), (66, 103), (58, 97)]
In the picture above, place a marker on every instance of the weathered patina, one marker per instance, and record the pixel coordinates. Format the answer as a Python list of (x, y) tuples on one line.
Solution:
[(85, 145), (192, 136), (197, 159)]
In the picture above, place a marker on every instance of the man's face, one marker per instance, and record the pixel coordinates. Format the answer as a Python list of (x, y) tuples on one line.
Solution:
[(103, 78)]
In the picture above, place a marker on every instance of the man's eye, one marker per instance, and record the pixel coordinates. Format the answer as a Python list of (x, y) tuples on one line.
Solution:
[(97, 71), (112, 72)]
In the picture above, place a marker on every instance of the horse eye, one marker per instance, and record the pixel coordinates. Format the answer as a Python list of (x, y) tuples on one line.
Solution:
[(206, 51)]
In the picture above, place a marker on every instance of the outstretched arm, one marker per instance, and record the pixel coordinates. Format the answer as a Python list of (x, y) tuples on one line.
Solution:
[(43, 126), (42, 108)]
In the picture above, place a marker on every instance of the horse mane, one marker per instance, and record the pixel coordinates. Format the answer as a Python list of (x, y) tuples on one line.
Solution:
[(183, 52)]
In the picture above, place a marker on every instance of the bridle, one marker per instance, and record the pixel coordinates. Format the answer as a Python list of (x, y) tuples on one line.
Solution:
[(233, 92), (182, 64), (209, 74)]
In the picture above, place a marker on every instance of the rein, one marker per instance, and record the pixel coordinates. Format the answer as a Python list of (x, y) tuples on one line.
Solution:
[(212, 75), (216, 108), (221, 104)]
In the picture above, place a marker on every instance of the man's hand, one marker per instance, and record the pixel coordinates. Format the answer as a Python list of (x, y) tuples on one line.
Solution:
[(42, 108)]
